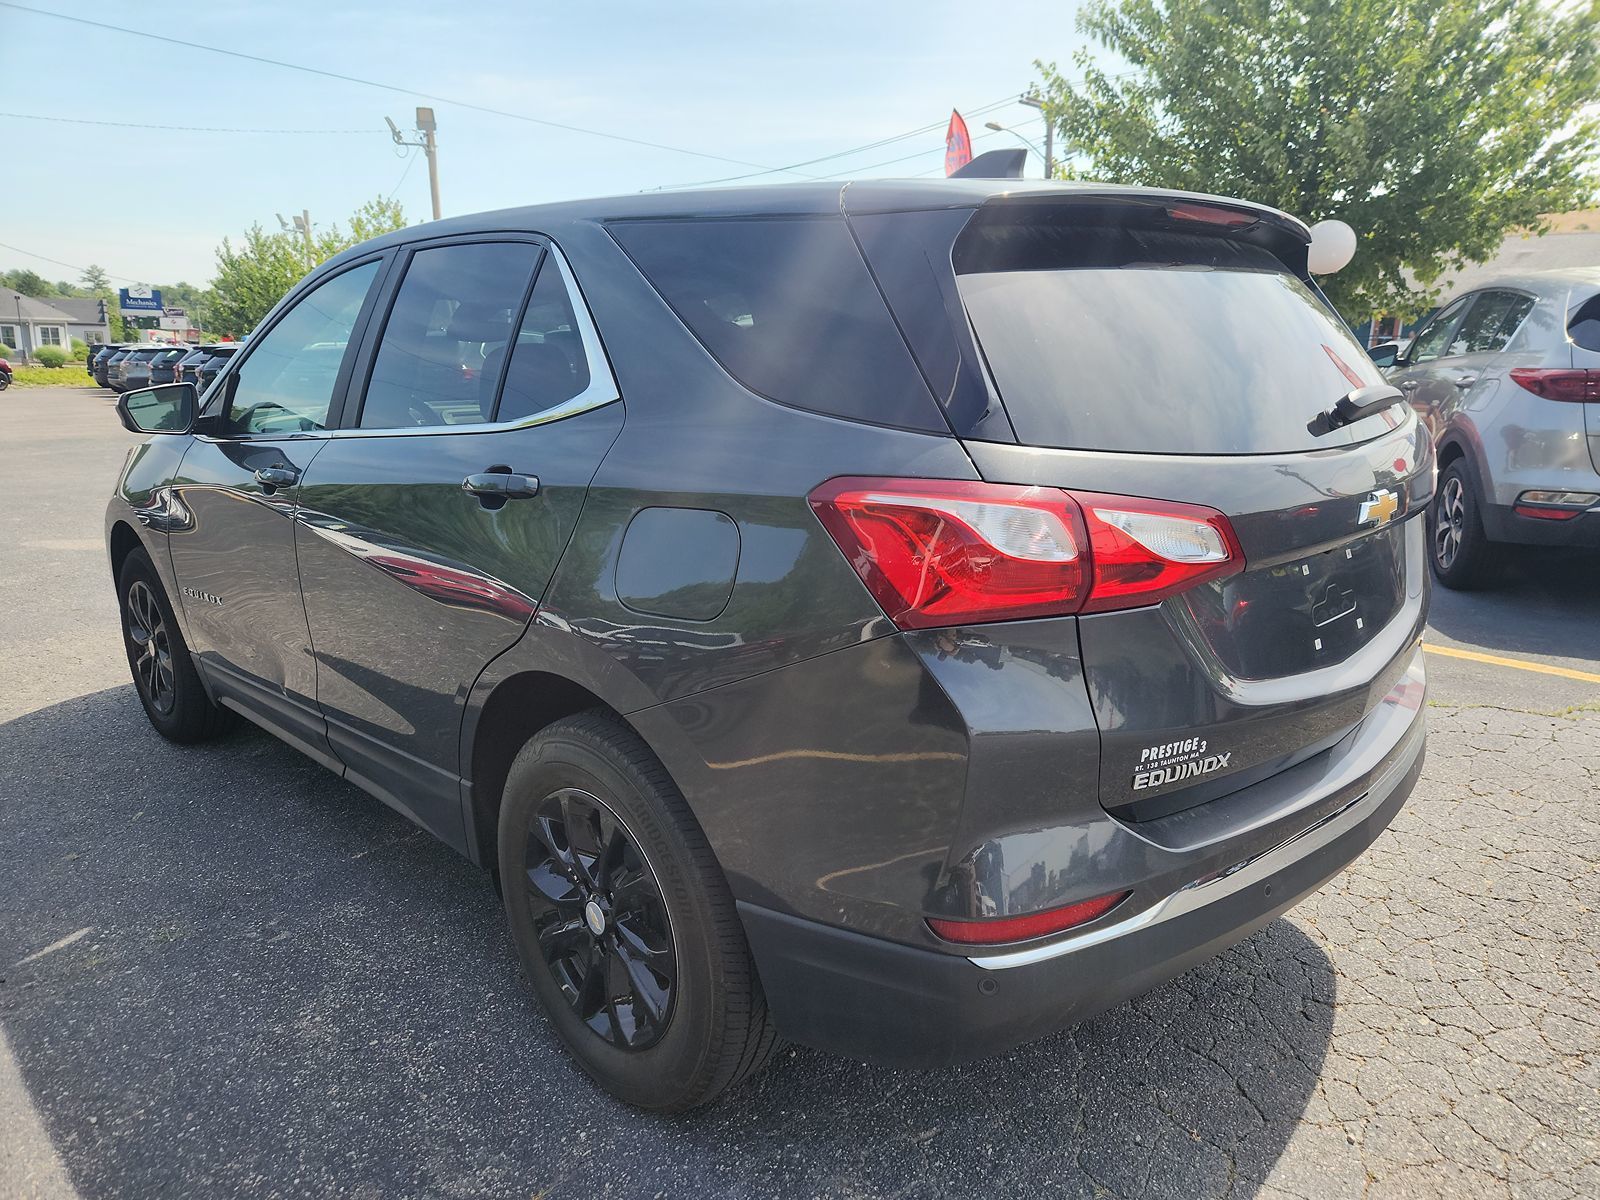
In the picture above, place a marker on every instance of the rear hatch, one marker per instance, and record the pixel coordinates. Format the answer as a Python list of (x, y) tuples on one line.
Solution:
[(1172, 350)]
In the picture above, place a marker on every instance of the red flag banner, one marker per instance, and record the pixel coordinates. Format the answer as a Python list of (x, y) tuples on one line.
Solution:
[(957, 144)]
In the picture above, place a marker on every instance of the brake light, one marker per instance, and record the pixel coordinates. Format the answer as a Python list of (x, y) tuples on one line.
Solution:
[(1558, 383), (995, 930), (947, 552), (1205, 214)]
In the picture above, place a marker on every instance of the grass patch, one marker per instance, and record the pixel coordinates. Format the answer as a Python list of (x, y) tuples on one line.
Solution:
[(71, 374)]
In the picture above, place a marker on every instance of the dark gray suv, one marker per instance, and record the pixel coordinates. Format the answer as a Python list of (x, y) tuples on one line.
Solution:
[(904, 617)]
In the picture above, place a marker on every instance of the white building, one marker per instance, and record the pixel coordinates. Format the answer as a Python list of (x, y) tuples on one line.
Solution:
[(26, 324)]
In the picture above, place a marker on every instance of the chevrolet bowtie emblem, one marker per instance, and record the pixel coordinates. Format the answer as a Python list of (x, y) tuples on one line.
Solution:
[(1378, 508)]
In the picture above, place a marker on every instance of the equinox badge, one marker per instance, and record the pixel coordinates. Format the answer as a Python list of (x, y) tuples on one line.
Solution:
[(1378, 508)]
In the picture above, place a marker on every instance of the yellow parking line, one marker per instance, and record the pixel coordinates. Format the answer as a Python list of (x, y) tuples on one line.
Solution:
[(1520, 664)]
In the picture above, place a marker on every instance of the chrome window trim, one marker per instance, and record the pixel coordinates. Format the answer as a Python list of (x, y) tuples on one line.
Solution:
[(602, 389)]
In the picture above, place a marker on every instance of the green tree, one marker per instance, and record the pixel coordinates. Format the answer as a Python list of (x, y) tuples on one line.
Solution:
[(254, 275), (1433, 127), (94, 278), (29, 283)]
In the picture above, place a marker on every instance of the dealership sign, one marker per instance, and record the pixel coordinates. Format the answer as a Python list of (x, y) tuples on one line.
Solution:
[(174, 318), (139, 299)]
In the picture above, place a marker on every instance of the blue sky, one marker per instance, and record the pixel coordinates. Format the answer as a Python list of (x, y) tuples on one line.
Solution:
[(771, 84)]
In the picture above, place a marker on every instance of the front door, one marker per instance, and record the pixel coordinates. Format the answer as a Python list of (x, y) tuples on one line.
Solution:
[(430, 525), (232, 543), (1428, 377)]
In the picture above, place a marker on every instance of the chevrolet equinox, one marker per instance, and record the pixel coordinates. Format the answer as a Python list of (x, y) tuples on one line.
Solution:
[(906, 617)]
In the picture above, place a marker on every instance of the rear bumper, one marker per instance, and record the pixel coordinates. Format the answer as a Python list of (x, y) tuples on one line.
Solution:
[(902, 1006), (1502, 524)]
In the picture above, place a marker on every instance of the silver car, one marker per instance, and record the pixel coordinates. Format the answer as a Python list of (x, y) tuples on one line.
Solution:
[(1507, 377)]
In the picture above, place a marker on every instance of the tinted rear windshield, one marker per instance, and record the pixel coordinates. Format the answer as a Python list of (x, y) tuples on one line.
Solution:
[(1114, 337)]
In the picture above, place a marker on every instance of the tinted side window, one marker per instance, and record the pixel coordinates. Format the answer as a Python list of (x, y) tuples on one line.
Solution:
[(1492, 321), (548, 363), (440, 355), (1584, 328), (1434, 339), (787, 306), (285, 383)]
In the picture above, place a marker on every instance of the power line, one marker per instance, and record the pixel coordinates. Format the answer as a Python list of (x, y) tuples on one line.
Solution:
[(173, 128), (59, 263), (811, 162), (389, 87), (411, 161)]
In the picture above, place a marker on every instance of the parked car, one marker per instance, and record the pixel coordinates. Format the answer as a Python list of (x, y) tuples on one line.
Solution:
[(91, 355), (102, 359), (795, 674), (188, 367), (112, 367), (134, 369), (208, 370), (163, 367), (5, 374), (1507, 379)]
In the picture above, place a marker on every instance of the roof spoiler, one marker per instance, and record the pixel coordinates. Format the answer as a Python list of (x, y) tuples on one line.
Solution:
[(994, 164)]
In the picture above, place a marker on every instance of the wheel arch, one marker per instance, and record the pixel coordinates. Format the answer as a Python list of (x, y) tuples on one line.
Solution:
[(121, 542), (550, 674)]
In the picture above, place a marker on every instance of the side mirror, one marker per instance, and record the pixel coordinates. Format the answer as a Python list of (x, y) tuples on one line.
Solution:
[(1386, 355), (169, 408)]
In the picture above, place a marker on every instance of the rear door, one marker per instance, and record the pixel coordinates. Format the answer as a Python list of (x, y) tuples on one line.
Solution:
[(1169, 354), (430, 524)]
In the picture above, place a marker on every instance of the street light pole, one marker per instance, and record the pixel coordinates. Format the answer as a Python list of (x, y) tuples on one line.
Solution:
[(999, 128), (302, 226), (1049, 133), (427, 127)]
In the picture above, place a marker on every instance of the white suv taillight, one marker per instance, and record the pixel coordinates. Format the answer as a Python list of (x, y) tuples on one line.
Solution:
[(949, 552)]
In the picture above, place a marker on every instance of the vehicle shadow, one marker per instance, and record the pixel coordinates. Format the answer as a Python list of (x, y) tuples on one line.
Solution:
[(1544, 603), (284, 988)]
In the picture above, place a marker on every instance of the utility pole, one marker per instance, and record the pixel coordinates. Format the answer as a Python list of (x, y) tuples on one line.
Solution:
[(427, 126), (1049, 134), (302, 226)]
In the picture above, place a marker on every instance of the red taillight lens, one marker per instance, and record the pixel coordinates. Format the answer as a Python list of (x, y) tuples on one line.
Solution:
[(1146, 550), (996, 930), (1558, 383), (942, 552), (946, 552)]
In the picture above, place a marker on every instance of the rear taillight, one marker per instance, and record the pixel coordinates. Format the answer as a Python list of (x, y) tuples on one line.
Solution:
[(946, 552), (1558, 383), (997, 930)]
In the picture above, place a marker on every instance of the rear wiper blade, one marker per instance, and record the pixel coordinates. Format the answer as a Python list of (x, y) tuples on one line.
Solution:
[(1352, 406)]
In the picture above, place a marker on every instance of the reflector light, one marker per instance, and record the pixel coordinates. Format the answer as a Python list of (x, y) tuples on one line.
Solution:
[(1558, 383), (947, 552), (996, 930)]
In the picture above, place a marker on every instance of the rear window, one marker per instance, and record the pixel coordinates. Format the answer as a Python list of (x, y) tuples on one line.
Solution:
[(787, 306), (1156, 340), (1584, 327)]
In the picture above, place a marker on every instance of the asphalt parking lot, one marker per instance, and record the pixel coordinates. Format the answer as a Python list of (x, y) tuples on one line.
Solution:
[(227, 973)]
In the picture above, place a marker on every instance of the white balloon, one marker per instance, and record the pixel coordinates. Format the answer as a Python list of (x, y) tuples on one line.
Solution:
[(1333, 245)]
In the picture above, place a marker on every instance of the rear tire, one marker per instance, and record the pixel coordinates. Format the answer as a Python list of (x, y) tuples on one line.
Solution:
[(164, 674), (623, 921), (1463, 557)]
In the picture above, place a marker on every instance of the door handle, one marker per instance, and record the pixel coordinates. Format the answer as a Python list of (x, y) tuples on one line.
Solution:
[(501, 485), (1408, 385), (277, 477), (1465, 381)]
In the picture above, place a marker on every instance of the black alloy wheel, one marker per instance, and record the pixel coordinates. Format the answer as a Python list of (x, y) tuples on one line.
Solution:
[(150, 648), (600, 918)]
